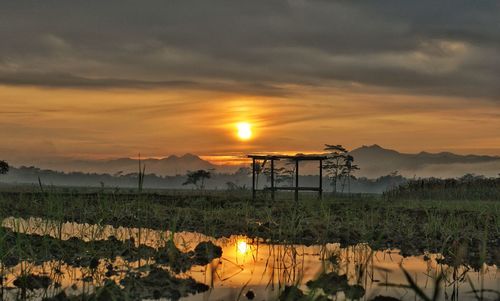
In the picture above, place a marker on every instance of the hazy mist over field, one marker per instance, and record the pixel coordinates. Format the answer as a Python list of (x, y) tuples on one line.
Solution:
[(374, 161)]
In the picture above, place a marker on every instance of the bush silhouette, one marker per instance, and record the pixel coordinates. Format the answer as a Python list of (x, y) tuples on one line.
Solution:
[(4, 167)]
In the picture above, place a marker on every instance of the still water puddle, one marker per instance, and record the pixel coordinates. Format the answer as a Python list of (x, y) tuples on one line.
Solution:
[(252, 268)]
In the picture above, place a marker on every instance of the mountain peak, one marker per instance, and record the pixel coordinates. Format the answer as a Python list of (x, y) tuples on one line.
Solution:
[(189, 156), (372, 148)]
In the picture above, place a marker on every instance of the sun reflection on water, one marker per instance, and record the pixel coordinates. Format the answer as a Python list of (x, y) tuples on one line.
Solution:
[(242, 247), (251, 264)]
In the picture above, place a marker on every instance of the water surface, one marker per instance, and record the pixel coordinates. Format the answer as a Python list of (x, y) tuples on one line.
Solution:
[(252, 266)]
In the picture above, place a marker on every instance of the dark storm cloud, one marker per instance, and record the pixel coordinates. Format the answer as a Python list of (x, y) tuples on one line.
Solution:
[(445, 47)]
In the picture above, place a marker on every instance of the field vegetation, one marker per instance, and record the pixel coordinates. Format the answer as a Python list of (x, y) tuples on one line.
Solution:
[(445, 226), (457, 219)]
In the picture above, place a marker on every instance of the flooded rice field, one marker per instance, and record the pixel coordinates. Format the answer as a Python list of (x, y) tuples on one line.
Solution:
[(44, 260)]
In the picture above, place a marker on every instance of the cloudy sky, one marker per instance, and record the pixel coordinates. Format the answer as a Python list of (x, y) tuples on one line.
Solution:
[(104, 79)]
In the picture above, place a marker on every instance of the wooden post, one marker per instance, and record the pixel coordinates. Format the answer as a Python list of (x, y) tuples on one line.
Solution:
[(296, 180), (320, 179), (272, 179), (253, 179)]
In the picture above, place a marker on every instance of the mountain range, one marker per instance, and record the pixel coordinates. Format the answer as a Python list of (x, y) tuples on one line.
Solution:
[(171, 165), (374, 161)]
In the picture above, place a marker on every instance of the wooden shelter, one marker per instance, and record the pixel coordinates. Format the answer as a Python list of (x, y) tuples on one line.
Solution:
[(296, 159)]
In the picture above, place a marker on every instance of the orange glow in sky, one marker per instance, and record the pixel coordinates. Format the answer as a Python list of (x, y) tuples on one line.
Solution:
[(42, 123)]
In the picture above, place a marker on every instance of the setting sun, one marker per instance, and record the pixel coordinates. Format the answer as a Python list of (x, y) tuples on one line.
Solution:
[(244, 130)]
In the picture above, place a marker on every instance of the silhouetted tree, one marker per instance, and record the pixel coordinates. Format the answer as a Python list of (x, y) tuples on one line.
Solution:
[(289, 172), (259, 168), (284, 175), (393, 179), (141, 175), (347, 170), (281, 175), (4, 167), (335, 163), (197, 178), (231, 186)]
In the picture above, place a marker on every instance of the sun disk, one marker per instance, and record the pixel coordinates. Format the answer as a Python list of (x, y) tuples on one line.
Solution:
[(244, 130)]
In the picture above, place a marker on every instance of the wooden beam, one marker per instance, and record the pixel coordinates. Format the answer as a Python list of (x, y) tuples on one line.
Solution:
[(297, 188), (272, 179), (320, 179), (296, 180), (253, 179), (287, 157)]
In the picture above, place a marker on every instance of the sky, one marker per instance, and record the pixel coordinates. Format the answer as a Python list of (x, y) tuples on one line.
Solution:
[(108, 79)]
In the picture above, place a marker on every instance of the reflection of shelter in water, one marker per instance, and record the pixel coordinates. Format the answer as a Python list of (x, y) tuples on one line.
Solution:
[(296, 159)]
